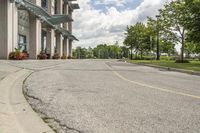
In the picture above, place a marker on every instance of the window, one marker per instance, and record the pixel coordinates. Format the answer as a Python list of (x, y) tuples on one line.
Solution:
[(45, 4), (22, 42), (43, 43), (55, 7)]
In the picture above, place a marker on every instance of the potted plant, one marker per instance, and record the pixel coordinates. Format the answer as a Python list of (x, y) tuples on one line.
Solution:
[(25, 54), (63, 56), (69, 57), (18, 55), (42, 56), (56, 56)]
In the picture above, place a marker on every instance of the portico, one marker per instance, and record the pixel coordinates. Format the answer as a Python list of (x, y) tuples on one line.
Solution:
[(36, 26)]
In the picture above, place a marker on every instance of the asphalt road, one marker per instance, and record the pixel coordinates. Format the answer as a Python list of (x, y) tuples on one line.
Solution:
[(108, 96)]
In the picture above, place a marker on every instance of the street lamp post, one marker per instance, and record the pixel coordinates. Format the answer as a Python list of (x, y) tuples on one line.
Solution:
[(158, 39)]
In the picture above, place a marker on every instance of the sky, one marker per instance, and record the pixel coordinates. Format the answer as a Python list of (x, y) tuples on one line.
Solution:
[(105, 21)]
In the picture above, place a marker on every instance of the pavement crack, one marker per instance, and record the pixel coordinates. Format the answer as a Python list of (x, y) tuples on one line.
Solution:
[(28, 96), (56, 124), (64, 127)]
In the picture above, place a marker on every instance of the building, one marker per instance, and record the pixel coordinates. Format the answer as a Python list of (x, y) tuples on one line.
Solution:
[(35, 26)]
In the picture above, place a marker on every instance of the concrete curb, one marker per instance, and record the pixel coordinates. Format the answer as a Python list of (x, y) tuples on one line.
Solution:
[(168, 68), (16, 115)]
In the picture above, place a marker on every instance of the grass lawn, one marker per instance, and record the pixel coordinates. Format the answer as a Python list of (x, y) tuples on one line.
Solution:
[(193, 65)]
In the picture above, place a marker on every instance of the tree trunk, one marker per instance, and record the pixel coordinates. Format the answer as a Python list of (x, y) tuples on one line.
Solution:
[(131, 54), (136, 55), (183, 47)]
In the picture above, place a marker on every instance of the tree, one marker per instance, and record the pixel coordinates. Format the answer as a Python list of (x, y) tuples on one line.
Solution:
[(152, 25), (167, 39), (190, 48), (167, 47), (101, 51), (137, 39), (89, 53), (193, 20), (174, 17), (114, 51), (124, 52), (80, 53), (130, 40)]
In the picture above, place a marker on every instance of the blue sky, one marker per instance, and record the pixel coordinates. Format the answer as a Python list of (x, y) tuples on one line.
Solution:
[(105, 21)]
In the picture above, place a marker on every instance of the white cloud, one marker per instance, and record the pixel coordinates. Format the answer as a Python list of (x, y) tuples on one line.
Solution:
[(111, 2), (92, 26)]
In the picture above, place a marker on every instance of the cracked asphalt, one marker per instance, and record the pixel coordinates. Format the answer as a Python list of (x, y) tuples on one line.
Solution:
[(108, 96)]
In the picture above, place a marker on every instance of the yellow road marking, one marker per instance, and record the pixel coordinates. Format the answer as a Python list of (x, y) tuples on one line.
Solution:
[(155, 88)]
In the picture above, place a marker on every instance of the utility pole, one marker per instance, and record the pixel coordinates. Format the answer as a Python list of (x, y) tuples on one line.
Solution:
[(158, 39)]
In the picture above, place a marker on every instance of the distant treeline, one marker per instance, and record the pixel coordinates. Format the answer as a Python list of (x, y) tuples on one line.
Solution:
[(102, 51)]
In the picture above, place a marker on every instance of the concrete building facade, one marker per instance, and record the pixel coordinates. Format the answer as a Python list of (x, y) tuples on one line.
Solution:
[(36, 26)]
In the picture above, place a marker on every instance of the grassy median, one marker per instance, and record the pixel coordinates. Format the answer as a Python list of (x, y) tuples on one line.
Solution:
[(193, 65)]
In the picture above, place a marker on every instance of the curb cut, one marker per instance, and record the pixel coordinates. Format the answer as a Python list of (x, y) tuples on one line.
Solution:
[(168, 68), (16, 115)]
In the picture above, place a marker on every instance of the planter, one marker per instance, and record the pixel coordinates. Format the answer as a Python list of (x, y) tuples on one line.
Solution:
[(18, 56), (64, 57), (56, 56), (42, 56), (69, 57)]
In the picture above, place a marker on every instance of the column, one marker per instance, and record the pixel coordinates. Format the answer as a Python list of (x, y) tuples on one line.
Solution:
[(50, 32), (66, 12), (50, 42), (70, 48), (15, 27), (65, 48), (70, 23), (51, 7), (59, 44), (59, 38), (60, 6), (35, 37), (65, 41), (70, 41), (6, 29), (35, 34)]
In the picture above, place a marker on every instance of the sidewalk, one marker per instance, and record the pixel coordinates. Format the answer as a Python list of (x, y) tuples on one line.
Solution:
[(16, 115)]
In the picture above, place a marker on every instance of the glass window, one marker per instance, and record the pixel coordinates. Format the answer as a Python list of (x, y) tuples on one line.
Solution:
[(22, 42), (55, 7), (45, 4)]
